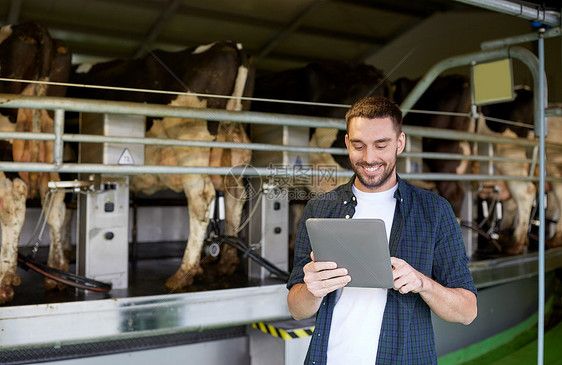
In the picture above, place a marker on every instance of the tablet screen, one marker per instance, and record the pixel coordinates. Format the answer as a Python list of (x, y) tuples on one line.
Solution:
[(359, 245)]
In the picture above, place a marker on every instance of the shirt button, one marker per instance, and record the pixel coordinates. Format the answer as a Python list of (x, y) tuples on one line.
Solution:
[(345, 202), (347, 216), (353, 198)]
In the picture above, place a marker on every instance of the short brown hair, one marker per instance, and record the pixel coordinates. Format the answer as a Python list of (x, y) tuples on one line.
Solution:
[(375, 107)]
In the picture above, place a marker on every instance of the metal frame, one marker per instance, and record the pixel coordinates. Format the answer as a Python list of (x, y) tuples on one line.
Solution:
[(60, 105), (47, 324)]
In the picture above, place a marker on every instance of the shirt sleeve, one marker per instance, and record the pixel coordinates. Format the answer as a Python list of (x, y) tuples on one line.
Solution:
[(450, 267), (302, 248)]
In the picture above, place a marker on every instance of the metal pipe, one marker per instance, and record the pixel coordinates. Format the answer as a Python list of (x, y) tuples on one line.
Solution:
[(539, 81), (236, 171), (446, 64), (458, 156), (121, 107), (524, 38), (522, 54), (31, 136), (413, 131), (536, 13), (553, 112), (542, 174), (156, 169), (88, 138), (115, 107), (59, 131)]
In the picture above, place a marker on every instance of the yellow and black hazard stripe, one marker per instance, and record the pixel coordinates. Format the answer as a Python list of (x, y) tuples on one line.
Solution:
[(281, 333)]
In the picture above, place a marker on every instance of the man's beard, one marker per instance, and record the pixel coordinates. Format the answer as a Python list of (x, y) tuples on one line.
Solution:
[(374, 182)]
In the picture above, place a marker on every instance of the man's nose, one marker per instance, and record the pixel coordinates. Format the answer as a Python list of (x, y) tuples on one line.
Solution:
[(370, 155)]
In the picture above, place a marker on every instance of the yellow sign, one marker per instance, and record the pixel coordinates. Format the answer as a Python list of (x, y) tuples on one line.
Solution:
[(492, 82)]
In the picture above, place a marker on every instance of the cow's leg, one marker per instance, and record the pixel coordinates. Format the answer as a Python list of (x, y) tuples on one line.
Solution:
[(200, 193), (66, 235), (524, 194), (12, 215), (233, 186), (234, 199), (55, 221)]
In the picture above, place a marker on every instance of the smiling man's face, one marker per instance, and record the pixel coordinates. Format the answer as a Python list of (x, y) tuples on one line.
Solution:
[(373, 146)]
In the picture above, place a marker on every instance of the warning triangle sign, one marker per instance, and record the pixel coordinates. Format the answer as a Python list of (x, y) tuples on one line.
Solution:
[(126, 158)]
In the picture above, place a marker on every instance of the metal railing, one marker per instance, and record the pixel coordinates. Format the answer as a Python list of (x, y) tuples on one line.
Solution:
[(62, 105)]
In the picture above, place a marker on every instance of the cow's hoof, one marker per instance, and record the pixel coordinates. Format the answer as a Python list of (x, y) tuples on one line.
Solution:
[(182, 278), (6, 294), (512, 249), (228, 262), (6, 287), (51, 284), (69, 254), (510, 245)]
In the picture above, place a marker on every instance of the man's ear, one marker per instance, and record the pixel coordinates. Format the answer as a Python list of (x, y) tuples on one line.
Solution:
[(347, 141), (401, 143)]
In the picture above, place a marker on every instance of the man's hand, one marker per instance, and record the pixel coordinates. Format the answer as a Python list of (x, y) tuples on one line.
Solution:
[(406, 278), (324, 277), (320, 278), (450, 304)]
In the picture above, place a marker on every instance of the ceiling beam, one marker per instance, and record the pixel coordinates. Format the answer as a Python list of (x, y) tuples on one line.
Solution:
[(392, 6), (14, 15), (287, 30), (157, 27), (218, 15)]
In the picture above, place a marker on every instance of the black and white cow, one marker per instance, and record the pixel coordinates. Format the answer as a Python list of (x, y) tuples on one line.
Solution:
[(221, 68), (329, 82), (514, 239), (27, 52), (344, 83), (449, 94)]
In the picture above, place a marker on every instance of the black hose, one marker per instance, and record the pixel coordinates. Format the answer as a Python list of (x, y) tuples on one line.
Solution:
[(62, 276), (247, 251), (475, 228)]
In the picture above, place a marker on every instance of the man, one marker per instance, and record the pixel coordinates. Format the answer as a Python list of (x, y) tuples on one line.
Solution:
[(368, 325)]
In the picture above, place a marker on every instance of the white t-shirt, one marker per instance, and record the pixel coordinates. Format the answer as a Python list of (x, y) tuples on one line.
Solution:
[(357, 318)]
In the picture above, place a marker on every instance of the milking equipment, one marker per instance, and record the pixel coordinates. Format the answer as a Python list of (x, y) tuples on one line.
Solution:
[(103, 211), (269, 229)]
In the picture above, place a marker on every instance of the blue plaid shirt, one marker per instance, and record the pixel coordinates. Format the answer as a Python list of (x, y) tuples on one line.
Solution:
[(425, 233)]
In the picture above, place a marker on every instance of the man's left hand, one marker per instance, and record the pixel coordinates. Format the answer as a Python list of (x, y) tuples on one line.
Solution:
[(406, 278)]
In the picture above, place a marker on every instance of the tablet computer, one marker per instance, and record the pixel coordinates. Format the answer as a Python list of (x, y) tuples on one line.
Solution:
[(359, 245)]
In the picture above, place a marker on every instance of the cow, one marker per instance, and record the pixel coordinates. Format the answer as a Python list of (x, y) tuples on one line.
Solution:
[(514, 238), (449, 94), (344, 83), (221, 68), (328, 82), (27, 52), (554, 169)]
